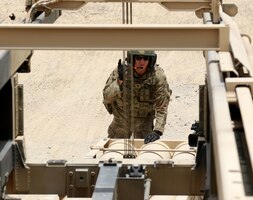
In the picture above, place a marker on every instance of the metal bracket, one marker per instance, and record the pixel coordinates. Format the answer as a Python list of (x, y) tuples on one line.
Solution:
[(19, 109), (56, 163), (80, 181), (232, 83), (136, 171), (22, 171), (163, 162)]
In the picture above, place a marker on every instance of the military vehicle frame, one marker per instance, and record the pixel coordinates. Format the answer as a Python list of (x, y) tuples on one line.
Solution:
[(225, 108)]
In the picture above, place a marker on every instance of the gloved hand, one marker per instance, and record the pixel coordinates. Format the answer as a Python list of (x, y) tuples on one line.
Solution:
[(155, 135), (120, 70)]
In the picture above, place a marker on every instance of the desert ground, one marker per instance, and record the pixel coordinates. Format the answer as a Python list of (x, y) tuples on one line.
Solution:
[(64, 113)]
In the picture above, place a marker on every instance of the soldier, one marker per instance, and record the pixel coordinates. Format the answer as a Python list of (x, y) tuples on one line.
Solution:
[(151, 95)]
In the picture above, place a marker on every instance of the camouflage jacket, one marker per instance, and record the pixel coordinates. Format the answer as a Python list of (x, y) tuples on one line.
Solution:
[(151, 100)]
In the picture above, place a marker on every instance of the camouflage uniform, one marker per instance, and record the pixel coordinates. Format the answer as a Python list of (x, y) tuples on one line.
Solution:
[(151, 100)]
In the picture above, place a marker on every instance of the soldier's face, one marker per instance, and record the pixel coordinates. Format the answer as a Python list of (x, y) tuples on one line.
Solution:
[(141, 64)]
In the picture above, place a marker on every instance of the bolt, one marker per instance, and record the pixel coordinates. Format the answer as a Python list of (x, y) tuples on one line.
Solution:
[(92, 173), (92, 187), (71, 173), (71, 187)]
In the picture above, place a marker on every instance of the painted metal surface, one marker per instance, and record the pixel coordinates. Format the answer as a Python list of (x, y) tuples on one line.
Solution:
[(99, 37)]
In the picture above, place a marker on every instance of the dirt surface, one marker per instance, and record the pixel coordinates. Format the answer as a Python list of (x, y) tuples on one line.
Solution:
[(64, 113)]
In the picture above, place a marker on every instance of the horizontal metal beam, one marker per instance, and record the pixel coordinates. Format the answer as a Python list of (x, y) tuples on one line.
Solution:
[(171, 4), (75, 180), (186, 5), (115, 37), (204, 2), (10, 61)]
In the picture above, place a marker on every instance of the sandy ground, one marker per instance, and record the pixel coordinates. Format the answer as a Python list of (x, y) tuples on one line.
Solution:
[(64, 113)]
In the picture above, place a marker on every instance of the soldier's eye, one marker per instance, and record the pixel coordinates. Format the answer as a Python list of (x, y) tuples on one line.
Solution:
[(141, 57)]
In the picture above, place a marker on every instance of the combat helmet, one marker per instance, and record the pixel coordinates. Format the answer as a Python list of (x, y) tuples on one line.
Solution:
[(150, 53)]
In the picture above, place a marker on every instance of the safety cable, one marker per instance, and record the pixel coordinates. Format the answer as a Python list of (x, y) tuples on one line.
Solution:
[(128, 93)]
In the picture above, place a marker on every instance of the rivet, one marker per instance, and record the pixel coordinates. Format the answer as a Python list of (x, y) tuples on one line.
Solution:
[(92, 173)]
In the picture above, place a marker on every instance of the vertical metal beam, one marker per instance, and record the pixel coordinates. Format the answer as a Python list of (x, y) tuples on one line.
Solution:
[(215, 11), (106, 182), (6, 163), (18, 109)]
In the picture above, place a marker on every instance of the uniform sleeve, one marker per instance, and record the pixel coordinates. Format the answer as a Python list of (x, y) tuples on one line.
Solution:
[(111, 90), (162, 98)]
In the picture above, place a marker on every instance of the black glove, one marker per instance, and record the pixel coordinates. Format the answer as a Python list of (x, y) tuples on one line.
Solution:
[(120, 70), (155, 135)]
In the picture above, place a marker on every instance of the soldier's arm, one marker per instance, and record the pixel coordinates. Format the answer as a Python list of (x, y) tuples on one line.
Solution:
[(112, 89), (162, 98)]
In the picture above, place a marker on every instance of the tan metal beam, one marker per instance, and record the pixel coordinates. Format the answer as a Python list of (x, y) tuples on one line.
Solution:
[(199, 6), (178, 3), (228, 171), (115, 37), (236, 42), (66, 5), (169, 4), (245, 102), (65, 179), (10, 61), (185, 5)]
